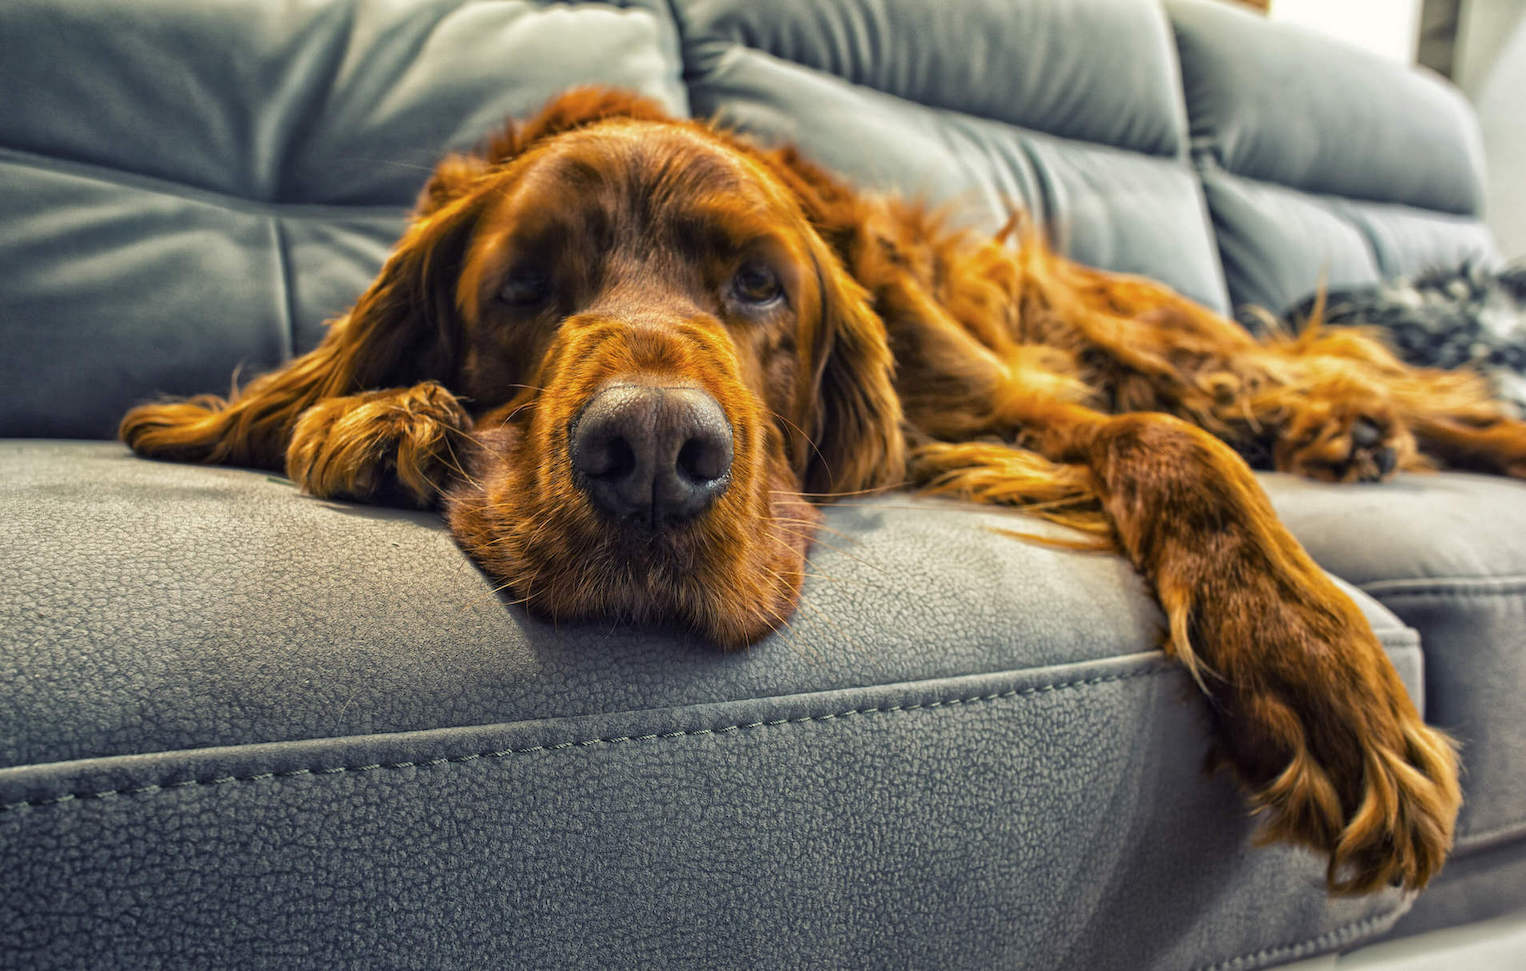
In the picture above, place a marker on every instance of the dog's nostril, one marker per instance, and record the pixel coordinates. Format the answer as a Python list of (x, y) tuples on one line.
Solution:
[(615, 459), (705, 458)]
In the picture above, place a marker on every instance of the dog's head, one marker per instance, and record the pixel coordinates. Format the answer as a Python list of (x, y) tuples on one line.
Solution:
[(664, 357)]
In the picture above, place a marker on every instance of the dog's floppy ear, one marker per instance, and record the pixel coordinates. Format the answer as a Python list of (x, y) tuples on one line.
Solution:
[(570, 110), (846, 399), (404, 329)]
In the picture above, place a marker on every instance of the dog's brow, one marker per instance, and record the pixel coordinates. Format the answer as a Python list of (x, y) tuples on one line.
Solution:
[(721, 226)]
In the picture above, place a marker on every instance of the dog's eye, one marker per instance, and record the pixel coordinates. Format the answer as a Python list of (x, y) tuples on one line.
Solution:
[(525, 288), (756, 284)]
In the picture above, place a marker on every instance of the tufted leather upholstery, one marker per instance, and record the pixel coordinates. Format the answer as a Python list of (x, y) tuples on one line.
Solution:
[(191, 190), (1399, 191), (242, 727)]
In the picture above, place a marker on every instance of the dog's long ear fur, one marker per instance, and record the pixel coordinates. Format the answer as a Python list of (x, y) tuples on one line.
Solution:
[(404, 329), (848, 399)]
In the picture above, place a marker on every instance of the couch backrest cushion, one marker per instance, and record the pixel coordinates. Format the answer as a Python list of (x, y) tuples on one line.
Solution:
[(190, 187), (1069, 108), (1320, 158)]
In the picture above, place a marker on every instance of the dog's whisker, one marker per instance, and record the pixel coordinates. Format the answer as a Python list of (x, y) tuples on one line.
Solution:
[(456, 466), (808, 440), (839, 551), (786, 628), (872, 491), (829, 578), (812, 527), (802, 533)]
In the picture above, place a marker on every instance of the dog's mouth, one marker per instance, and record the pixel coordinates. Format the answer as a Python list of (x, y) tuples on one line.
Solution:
[(650, 502)]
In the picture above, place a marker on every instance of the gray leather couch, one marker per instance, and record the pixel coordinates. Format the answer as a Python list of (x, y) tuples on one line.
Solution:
[(243, 727)]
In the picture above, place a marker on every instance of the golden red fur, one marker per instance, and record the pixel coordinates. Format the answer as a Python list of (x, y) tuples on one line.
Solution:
[(854, 342)]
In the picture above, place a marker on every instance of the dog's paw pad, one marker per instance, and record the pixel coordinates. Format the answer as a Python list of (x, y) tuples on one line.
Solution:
[(1349, 447), (1371, 454)]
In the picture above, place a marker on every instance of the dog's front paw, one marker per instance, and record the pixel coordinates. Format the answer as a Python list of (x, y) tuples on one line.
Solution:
[(1323, 735), (1381, 804), (1341, 441), (393, 445)]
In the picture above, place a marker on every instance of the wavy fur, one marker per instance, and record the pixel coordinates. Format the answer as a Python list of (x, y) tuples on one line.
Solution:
[(903, 352)]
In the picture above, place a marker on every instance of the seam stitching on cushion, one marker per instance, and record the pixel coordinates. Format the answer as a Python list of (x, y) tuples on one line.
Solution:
[(732, 729), (1458, 590), (186, 192), (1505, 587), (1339, 935)]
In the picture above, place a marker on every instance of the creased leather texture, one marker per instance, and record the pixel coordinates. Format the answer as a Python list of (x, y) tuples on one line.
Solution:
[(1274, 240), (312, 102), (879, 92), (1447, 554), (1090, 70), (140, 627), (219, 728), (300, 135), (861, 827)]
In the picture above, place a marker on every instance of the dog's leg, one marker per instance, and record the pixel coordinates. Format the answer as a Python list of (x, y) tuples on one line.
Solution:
[(1457, 420), (1329, 404), (399, 444), (1337, 405), (1349, 391), (1312, 714), (1498, 446)]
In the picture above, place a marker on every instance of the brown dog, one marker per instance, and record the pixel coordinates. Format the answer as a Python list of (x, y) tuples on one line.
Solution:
[(657, 344)]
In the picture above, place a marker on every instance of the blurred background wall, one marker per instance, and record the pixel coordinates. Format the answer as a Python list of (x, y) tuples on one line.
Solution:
[(1489, 64), (1387, 27)]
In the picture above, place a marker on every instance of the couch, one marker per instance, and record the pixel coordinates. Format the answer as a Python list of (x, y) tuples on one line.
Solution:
[(240, 726)]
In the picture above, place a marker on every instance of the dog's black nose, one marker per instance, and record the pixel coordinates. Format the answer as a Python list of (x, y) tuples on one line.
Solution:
[(652, 456)]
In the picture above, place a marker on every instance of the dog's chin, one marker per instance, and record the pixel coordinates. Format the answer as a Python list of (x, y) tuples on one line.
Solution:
[(731, 583)]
